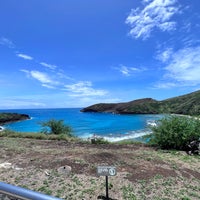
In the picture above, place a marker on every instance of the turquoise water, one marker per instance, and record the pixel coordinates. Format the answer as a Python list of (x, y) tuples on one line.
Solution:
[(113, 127)]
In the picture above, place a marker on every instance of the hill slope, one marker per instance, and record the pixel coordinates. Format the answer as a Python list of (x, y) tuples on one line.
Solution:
[(188, 104), (12, 117)]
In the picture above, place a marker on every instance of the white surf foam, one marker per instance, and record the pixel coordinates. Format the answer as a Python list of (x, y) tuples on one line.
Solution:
[(117, 137), (130, 135), (1, 128)]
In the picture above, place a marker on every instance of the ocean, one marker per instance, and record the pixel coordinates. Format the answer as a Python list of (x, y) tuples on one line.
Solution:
[(113, 127)]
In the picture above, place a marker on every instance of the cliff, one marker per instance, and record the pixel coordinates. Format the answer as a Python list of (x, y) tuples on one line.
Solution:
[(188, 104)]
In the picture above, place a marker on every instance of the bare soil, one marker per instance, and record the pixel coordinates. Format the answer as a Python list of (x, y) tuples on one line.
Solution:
[(142, 172)]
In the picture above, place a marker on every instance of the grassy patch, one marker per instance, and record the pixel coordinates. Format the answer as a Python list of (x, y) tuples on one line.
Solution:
[(40, 136)]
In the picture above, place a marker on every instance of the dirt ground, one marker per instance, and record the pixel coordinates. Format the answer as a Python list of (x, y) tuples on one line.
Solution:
[(68, 170)]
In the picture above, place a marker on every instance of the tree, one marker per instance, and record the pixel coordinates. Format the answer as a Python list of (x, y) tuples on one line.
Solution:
[(56, 127)]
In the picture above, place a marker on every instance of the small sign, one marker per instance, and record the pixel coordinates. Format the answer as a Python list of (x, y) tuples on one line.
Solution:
[(106, 171)]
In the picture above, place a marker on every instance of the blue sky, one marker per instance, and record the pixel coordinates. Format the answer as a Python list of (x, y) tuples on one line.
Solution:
[(74, 53)]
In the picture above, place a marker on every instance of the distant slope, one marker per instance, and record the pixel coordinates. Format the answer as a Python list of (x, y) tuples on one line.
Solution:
[(188, 104), (12, 117)]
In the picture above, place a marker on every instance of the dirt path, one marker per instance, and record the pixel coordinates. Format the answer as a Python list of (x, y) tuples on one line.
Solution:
[(68, 170)]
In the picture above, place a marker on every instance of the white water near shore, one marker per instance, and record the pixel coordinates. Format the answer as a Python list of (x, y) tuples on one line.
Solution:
[(1, 128), (128, 136), (118, 137)]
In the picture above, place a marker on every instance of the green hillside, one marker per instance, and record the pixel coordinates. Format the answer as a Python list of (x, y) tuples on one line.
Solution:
[(188, 104), (12, 117)]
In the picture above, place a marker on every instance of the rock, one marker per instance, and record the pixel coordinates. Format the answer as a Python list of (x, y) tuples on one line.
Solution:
[(47, 173), (65, 170), (6, 165), (194, 147)]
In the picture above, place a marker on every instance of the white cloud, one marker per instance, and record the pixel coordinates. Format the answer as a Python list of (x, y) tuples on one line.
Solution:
[(156, 14), (165, 85), (6, 42), (128, 71), (48, 65), (24, 56), (41, 77), (184, 66), (48, 86), (25, 71), (165, 55), (63, 76), (84, 88)]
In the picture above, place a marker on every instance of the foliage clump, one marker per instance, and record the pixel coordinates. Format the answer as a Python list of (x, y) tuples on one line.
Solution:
[(99, 140), (56, 127), (175, 132)]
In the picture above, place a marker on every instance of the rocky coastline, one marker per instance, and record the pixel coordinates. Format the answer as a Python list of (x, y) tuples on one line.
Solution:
[(6, 118)]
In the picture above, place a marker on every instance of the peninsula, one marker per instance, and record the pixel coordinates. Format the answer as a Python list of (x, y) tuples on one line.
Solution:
[(12, 117), (186, 104)]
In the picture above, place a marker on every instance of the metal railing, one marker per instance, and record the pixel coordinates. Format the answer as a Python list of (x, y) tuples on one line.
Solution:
[(22, 193)]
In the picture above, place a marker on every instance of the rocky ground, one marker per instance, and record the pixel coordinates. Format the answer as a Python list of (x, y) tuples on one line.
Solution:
[(68, 170)]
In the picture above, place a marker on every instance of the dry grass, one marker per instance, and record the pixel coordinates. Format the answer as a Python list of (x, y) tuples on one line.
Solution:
[(143, 172)]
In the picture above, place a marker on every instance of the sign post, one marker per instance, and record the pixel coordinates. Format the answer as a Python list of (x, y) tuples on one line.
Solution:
[(107, 196), (106, 171)]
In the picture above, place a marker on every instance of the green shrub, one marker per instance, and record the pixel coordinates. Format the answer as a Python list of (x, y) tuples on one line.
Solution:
[(99, 140), (56, 127), (175, 132)]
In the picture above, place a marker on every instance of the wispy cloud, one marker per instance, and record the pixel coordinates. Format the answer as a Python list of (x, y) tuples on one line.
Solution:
[(185, 65), (6, 42), (165, 85), (48, 86), (48, 65), (164, 56), (183, 68), (128, 71), (24, 56), (42, 77), (155, 14), (84, 88)]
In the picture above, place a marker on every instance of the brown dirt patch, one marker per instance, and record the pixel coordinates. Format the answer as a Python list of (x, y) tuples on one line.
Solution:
[(134, 163)]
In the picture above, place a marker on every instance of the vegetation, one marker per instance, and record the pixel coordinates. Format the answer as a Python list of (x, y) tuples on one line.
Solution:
[(41, 136), (99, 140), (186, 104), (12, 117), (175, 132), (56, 127)]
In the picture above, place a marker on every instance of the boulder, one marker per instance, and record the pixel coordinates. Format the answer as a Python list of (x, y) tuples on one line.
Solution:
[(194, 147), (65, 170)]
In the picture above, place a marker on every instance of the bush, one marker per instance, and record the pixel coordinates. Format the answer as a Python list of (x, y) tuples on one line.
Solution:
[(99, 140), (56, 127), (175, 132)]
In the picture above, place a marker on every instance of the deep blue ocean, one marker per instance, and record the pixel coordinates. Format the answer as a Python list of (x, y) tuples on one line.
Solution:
[(113, 127)]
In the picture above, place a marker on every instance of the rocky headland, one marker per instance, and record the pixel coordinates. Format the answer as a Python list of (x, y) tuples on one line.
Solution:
[(186, 104), (12, 117)]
